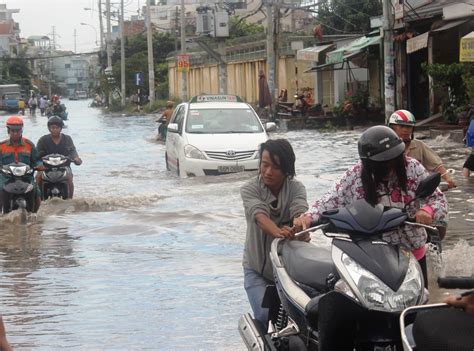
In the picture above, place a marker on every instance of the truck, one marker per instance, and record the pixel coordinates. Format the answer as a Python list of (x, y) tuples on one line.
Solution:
[(9, 96)]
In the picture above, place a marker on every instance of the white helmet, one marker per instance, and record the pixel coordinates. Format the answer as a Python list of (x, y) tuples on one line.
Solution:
[(402, 117)]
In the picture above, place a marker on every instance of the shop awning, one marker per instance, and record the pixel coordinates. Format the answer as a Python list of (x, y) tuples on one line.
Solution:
[(312, 53), (354, 47), (466, 48), (417, 43), (449, 25)]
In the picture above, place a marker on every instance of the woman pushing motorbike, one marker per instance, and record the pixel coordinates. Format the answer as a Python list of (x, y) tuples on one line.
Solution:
[(384, 175)]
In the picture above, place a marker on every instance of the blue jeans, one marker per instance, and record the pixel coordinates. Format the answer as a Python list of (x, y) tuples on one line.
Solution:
[(255, 286)]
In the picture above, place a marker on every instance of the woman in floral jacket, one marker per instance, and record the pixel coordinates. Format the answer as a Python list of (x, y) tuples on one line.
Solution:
[(384, 175)]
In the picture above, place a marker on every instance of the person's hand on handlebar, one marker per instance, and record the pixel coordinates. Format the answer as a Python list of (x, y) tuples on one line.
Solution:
[(285, 232), (302, 222), (465, 302), (423, 217)]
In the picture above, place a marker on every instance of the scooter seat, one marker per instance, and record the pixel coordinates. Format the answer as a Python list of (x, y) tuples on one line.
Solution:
[(307, 263)]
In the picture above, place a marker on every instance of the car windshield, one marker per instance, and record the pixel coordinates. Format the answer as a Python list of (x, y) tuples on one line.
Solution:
[(209, 121)]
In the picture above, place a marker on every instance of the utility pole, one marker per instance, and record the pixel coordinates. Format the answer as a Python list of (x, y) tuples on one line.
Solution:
[(389, 76), (151, 66), (184, 83), (109, 48), (75, 41), (101, 26), (122, 54), (271, 59), (222, 52)]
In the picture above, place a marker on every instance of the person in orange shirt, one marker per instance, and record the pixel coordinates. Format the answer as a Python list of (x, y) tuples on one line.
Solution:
[(19, 149)]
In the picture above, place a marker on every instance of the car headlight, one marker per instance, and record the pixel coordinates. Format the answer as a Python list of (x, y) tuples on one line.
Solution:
[(376, 295), (256, 155), (18, 171), (193, 152)]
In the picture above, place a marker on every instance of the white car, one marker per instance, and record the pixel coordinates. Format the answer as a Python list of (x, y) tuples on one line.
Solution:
[(214, 134)]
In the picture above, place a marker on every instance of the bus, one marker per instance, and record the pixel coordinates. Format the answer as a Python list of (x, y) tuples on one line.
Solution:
[(9, 96)]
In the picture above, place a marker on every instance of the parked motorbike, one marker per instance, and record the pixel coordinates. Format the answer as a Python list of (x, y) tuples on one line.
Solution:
[(301, 108), (346, 298), (55, 176), (18, 190), (421, 334)]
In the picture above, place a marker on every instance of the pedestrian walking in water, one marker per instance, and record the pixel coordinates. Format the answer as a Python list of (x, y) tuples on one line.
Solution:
[(43, 103), (32, 103)]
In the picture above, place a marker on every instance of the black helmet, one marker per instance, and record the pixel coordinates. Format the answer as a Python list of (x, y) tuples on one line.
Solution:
[(55, 120), (380, 143)]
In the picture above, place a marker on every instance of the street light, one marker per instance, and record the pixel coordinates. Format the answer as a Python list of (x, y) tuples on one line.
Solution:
[(95, 30)]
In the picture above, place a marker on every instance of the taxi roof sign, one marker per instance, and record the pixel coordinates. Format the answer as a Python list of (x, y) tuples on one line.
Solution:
[(216, 98)]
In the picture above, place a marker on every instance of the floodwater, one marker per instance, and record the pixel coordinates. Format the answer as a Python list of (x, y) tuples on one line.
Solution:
[(143, 260)]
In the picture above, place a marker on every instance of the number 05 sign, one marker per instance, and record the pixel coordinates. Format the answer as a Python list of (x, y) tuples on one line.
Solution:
[(183, 63)]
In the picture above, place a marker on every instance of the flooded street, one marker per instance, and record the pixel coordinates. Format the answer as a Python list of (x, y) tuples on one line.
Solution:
[(143, 260)]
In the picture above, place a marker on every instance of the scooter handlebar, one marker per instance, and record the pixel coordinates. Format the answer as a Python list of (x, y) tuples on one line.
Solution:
[(456, 282)]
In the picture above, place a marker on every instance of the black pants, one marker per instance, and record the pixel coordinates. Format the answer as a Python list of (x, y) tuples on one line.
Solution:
[(424, 270)]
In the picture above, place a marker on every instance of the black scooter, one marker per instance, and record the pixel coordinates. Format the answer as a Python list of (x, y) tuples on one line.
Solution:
[(55, 176), (18, 190), (346, 298), (439, 326)]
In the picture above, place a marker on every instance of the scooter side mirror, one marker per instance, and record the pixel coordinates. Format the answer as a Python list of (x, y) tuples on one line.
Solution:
[(428, 185)]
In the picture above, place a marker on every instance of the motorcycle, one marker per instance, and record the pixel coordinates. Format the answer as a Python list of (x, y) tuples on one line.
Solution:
[(416, 331), (55, 176), (18, 190), (346, 298)]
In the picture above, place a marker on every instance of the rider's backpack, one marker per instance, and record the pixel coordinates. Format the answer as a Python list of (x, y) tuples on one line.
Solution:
[(470, 134)]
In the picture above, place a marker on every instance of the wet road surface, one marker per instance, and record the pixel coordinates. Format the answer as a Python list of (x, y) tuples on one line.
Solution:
[(143, 260)]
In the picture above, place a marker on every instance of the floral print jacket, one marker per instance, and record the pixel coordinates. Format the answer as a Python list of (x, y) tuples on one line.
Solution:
[(349, 188)]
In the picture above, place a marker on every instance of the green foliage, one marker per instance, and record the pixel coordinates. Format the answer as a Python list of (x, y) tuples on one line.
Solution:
[(355, 104), (241, 28), (450, 77), (16, 71), (136, 60), (347, 16)]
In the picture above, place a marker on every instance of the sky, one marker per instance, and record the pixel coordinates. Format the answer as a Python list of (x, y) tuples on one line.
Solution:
[(37, 17)]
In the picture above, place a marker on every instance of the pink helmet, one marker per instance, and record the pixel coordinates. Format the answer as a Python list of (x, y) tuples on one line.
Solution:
[(402, 117)]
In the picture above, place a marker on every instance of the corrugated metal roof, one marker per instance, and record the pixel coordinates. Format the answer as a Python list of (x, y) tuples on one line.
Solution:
[(429, 10)]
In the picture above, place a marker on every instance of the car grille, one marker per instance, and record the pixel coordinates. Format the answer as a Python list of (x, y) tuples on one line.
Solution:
[(230, 155)]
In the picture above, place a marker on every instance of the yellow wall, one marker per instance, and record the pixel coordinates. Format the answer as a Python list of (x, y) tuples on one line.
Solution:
[(242, 78)]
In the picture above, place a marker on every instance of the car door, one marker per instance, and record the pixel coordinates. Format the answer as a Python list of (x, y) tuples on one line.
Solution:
[(174, 140)]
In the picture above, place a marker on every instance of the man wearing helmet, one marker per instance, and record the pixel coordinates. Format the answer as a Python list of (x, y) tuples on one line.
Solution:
[(403, 123), (385, 176), (19, 149), (58, 143)]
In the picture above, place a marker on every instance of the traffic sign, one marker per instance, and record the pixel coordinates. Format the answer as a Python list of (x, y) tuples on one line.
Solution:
[(139, 79)]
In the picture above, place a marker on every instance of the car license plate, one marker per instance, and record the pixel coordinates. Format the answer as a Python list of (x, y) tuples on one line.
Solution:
[(230, 169)]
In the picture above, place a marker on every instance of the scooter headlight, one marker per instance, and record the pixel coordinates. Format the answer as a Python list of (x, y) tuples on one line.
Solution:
[(193, 152), (376, 295), (18, 171)]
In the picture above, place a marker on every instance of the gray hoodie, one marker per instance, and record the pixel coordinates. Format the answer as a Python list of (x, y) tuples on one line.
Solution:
[(257, 198)]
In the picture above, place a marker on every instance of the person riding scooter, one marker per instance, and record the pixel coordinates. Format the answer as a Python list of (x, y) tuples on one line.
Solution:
[(384, 175), (403, 123), (19, 149), (58, 143)]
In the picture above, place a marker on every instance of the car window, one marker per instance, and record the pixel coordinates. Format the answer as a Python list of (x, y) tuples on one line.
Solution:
[(208, 121), (179, 117), (175, 113)]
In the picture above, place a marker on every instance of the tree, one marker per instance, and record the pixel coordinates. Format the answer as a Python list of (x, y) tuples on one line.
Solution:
[(347, 16), (240, 28), (136, 60), (16, 71)]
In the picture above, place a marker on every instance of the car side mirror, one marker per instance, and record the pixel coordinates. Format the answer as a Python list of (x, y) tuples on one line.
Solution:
[(173, 127), (270, 126), (428, 185)]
